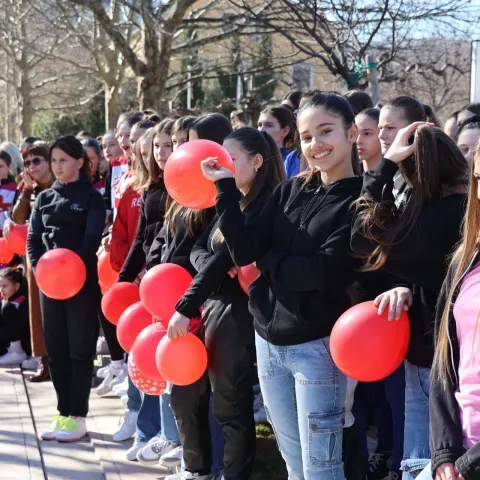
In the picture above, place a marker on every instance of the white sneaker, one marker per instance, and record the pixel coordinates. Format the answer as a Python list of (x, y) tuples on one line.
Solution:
[(102, 346), (187, 476), (54, 428), (173, 458), (13, 357), (150, 454), (260, 416), (120, 376), (134, 449), (31, 363), (104, 387), (121, 389), (103, 372), (73, 429), (128, 426)]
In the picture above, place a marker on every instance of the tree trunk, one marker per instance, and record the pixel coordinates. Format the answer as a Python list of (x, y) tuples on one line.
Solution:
[(113, 106), (26, 105)]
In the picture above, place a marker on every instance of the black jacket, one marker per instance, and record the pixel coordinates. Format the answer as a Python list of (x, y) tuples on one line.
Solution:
[(301, 246), (212, 260), (420, 258), (168, 248), (71, 216), (446, 435), (152, 214)]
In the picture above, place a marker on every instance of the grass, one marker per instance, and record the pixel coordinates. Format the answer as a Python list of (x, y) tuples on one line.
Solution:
[(269, 464)]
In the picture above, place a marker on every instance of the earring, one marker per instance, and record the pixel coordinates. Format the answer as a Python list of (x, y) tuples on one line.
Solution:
[(256, 169)]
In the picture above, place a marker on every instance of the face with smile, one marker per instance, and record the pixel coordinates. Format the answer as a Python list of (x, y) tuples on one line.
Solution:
[(325, 143), (162, 149), (65, 168), (111, 148), (123, 138), (390, 122)]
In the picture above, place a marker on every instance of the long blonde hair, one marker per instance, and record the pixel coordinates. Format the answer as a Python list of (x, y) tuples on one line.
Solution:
[(461, 259)]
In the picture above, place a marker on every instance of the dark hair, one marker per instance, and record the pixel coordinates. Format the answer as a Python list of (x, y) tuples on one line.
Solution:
[(15, 275), (435, 164), (472, 107), (308, 95), (339, 107), (131, 118), (31, 139), (272, 171), (147, 122), (372, 113), (285, 118), (73, 148), (83, 133), (92, 143), (359, 100), (38, 149), (430, 113), (5, 156), (183, 124), (413, 110), (212, 126), (293, 96), (154, 172), (472, 123)]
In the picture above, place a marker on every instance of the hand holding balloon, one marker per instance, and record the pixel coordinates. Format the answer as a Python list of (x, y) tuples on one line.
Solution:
[(178, 326), (400, 300), (212, 170)]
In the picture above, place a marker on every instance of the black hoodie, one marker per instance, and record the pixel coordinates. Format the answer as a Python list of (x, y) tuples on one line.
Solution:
[(301, 245), (68, 215), (420, 258)]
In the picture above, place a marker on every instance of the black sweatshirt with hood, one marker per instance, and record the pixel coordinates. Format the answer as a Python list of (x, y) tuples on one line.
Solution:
[(420, 258), (68, 215), (301, 245)]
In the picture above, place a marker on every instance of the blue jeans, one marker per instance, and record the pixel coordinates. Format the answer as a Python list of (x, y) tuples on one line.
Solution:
[(134, 398), (426, 474), (168, 427), (416, 447), (304, 395), (148, 421)]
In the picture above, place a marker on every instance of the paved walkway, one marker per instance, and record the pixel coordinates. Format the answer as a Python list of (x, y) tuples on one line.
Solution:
[(26, 409)]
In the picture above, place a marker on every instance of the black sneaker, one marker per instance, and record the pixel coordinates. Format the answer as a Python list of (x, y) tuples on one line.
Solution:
[(377, 466)]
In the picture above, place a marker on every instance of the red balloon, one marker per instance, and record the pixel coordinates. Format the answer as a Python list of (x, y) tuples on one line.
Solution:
[(17, 240), (184, 179), (107, 276), (144, 349), (118, 299), (366, 346), (183, 360), (247, 275), (60, 274), (6, 253), (132, 321), (162, 287), (144, 384)]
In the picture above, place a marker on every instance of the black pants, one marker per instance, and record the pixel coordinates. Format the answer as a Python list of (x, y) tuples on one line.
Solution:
[(13, 332), (229, 338), (71, 332), (110, 332)]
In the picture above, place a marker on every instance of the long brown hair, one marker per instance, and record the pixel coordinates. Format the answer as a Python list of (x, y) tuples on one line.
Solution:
[(436, 165), (154, 171), (461, 259), (142, 174)]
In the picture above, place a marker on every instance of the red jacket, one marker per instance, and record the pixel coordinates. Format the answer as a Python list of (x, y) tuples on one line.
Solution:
[(124, 227)]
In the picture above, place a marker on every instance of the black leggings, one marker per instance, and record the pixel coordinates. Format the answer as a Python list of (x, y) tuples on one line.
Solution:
[(110, 332)]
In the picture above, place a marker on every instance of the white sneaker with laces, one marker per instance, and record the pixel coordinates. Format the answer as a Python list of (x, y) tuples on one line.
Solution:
[(121, 389), (173, 458), (31, 363), (13, 357), (73, 429), (151, 454), (103, 372), (188, 476), (104, 387), (131, 453), (120, 375), (127, 426), (53, 429)]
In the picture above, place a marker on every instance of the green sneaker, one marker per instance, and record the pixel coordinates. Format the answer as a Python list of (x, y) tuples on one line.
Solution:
[(73, 429), (54, 429)]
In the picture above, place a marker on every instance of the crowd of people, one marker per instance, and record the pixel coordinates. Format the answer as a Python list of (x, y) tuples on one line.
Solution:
[(336, 201)]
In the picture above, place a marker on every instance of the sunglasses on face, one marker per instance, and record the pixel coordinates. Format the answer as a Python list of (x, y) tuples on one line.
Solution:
[(35, 161)]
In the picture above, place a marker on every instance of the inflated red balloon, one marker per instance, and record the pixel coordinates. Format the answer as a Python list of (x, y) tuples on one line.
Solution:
[(181, 361), (184, 179), (144, 349), (132, 321), (60, 273), (366, 346), (107, 276), (17, 239), (144, 384), (162, 287), (247, 275), (6, 253), (118, 299)]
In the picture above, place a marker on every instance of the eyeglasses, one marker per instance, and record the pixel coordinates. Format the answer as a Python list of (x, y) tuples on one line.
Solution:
[(35, 161)]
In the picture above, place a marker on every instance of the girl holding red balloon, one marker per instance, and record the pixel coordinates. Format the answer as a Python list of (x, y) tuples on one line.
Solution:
[(411, 237), (229, 333), (68, 219), (301, 247)]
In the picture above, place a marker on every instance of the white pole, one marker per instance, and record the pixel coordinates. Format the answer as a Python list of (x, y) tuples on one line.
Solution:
[(475, 72)]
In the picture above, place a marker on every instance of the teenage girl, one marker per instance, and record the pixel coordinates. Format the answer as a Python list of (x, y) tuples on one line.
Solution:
[(368, 145), (14, 323), (94, 153), (359, 100), (229, 334), (301, 246), (468, 136), (412, 241), (180, 131), (111, 148), (8, 188), (455, 386), (70, 215)]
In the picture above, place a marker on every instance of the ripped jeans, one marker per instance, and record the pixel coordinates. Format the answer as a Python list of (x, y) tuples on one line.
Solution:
[(304, 395)]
